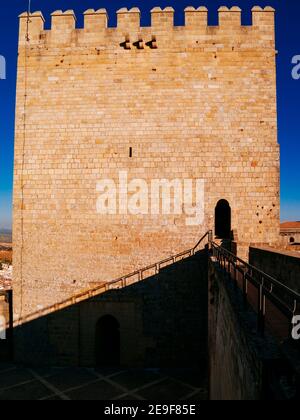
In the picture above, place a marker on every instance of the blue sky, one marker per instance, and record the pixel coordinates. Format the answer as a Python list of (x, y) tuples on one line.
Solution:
[(288, 37)]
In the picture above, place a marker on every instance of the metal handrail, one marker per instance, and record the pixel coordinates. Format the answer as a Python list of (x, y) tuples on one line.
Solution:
[(121, 282), (268, 287)]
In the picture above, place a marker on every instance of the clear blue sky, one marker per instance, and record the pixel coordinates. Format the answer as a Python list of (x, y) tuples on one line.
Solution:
[(288, 37)]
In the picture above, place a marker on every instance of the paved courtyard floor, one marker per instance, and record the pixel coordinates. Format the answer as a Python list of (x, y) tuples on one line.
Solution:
[(18, 383)]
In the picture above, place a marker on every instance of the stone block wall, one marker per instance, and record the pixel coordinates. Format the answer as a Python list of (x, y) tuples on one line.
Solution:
[(284, 266), (191, 102), (243, 364), (163, 324)]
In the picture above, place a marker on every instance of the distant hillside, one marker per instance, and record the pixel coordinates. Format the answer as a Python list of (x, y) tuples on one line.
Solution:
[(5, 235)]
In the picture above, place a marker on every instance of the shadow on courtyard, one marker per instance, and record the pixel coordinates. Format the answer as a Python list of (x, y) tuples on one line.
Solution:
[(149, 338), (21, 383), (159, 322)]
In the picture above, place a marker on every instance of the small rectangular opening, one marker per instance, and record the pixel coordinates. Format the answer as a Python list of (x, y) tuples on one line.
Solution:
[(130, 152)]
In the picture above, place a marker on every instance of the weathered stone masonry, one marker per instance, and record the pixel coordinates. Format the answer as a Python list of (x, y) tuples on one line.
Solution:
[(163, 323), (192, 102)]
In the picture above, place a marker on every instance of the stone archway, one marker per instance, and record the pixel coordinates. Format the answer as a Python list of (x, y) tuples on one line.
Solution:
[(223, 220), (107, 342)]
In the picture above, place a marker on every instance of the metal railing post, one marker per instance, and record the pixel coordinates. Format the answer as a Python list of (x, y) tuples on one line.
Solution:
[(234, 266), (235, 275), (156, 268), (245, 289), (261, 313), (210, 237)]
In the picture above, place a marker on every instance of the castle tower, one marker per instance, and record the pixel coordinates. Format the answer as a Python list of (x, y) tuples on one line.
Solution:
[(195, 102)]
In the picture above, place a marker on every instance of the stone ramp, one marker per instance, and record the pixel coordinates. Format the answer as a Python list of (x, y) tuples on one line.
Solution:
[(158, 309), (122, 282), (162, 321)]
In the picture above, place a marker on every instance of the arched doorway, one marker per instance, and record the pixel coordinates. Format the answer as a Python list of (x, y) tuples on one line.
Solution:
[(107, 343), (223, 220)]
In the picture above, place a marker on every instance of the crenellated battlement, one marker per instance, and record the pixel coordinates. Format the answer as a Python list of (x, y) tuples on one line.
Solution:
[(63, 24)]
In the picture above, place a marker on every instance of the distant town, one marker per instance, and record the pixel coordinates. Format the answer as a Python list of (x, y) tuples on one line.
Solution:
[(5, 235), (5, 259)]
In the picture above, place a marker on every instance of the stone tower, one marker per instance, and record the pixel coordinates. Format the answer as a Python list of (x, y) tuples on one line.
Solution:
[(195, 102)]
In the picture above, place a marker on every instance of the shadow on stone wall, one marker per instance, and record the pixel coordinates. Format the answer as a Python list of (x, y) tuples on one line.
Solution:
[(244, 364), (281, 265), (162, 324)]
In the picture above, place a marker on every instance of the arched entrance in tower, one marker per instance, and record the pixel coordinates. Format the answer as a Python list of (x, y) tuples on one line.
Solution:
[(223, 220), (107, 343)]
